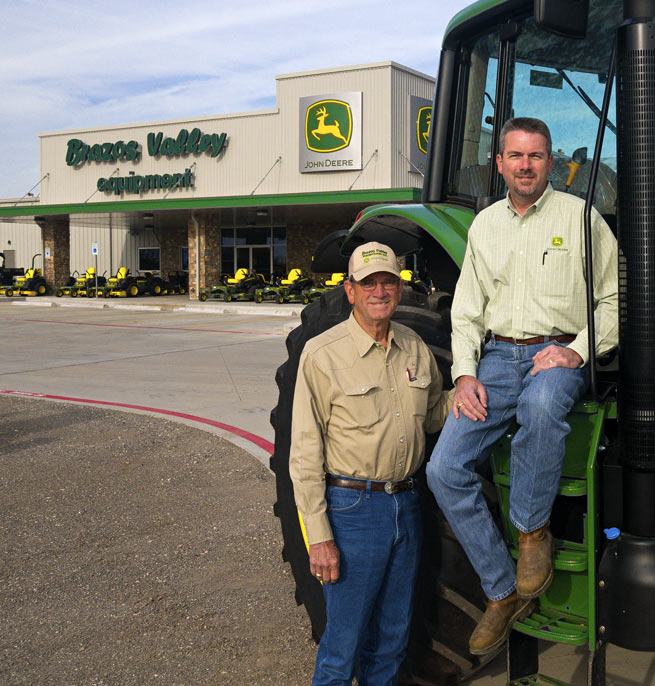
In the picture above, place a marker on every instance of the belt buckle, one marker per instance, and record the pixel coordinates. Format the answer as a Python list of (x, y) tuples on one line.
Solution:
[(390, 487)]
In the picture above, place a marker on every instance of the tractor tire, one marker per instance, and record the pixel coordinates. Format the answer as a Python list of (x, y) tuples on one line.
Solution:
[(41, 289), (9, 292), (228, 297), (181, 290), (156, 287), (305, 300), (259, 298), (202, 297), (449, 600), (106, 293), (60, 292), (132, 290), (280, 299), (73, 292)]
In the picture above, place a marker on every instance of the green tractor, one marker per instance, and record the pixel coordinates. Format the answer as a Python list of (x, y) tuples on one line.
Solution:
[(560, 61)]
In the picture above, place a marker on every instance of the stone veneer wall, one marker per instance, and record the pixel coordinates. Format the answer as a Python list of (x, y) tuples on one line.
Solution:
[(302, 239), (171, 241), (208, 240), (56, 236)]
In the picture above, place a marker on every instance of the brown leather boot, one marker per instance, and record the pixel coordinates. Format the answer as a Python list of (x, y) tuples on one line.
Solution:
[(494, 627), (534, 571)]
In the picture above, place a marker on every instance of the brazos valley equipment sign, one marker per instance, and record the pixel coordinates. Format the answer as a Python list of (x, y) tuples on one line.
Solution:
[(186, 143)]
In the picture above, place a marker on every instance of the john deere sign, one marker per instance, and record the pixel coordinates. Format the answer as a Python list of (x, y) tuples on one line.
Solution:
[(331, 132), (420, 118)]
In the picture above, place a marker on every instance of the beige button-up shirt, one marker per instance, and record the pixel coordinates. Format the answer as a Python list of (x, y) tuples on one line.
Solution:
[(524, 276), (360, 410)]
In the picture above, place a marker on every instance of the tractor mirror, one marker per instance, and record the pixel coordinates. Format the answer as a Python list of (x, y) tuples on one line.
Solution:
[(566, 18)]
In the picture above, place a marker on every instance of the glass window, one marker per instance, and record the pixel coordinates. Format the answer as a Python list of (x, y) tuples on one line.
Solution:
[(227, 237), (556, 79), (149, 259), (254, 235), (184, 259), (280, 260), (473, 156)]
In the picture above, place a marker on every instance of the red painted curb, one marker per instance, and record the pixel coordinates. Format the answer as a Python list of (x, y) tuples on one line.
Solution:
[(257, 440)]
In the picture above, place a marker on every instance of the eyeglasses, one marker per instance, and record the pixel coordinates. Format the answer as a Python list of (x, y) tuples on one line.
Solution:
[(370, 285)]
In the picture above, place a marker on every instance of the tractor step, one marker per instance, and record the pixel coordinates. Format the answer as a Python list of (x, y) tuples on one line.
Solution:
[(554, 626), (566, 558), (538, 680)]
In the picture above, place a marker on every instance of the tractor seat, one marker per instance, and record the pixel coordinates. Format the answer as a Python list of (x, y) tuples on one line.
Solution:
[(294, 275), (407, 275), (90, 272), (337, 278), (239, 275)]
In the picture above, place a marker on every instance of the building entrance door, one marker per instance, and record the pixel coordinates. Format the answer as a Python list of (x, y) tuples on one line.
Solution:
[(255, 258)]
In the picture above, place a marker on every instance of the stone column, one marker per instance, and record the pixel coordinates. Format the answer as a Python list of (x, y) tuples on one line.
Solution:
[(204, 252), (172, 239), (55, 233)]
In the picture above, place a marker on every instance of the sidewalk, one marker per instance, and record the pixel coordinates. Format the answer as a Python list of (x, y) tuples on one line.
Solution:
[(176, 303)]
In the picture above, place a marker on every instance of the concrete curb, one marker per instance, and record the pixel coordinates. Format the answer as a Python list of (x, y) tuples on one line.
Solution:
[(271, 310)]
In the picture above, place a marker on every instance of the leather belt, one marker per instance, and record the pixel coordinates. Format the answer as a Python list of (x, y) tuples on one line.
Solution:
[(389, 487), (564, 338)]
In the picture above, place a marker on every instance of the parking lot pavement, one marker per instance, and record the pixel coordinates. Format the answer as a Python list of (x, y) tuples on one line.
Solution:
[(218, 366)]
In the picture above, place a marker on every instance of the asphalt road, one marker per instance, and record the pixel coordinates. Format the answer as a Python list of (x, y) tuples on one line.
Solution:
[(218, 367)]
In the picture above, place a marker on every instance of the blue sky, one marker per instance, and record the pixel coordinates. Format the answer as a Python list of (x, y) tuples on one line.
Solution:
[(68, 64)]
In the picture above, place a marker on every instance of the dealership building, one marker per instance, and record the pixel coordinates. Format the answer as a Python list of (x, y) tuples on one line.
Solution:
[(210, 195)]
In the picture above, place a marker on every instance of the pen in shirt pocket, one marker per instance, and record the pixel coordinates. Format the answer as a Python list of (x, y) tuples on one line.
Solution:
[(543, 258), (409, 375)]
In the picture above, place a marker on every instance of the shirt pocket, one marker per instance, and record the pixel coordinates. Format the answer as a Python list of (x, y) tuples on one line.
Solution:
[(358, 404), (554, 276), (417, 378)]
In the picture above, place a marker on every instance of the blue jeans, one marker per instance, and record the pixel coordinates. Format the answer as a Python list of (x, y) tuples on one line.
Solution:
[(540, 405), (370, 607)]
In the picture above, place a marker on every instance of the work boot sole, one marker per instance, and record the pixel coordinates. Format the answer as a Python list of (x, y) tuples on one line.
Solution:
[(519, 615)]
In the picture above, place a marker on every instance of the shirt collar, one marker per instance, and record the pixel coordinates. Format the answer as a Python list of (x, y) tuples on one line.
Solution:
[(538, 205), (363, 341)]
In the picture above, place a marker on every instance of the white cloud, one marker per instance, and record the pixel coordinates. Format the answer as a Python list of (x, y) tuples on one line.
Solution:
[(69, 64)]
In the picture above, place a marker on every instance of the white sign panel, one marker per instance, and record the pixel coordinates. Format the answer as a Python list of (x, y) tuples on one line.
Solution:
[(331, 132)]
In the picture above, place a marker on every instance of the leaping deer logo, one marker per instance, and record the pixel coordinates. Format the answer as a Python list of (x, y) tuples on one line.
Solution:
[(323, 128), (328, 126), (423, 122)]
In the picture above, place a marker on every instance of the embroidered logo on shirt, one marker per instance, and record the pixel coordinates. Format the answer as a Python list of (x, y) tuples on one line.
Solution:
[(557, 241)]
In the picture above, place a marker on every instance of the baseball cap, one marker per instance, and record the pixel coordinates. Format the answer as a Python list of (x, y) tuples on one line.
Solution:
[(370, 258)]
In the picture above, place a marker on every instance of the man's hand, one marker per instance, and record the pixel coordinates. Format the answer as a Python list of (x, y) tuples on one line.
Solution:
[(555, 356), (470, 399), (324, 561)]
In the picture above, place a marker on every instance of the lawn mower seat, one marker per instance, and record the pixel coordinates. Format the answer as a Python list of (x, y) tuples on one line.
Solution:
[(337, 278), (239, 276), (407, 275), (294, 275)]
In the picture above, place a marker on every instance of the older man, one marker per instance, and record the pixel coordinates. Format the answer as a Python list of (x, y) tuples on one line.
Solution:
[(366, 391), (519, 353)]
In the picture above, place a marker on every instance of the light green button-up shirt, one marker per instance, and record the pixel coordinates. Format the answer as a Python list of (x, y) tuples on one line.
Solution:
[(360, 410), (524, 276)]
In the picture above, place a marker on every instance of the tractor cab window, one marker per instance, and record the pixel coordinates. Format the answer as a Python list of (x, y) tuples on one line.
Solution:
[(559, 80)]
